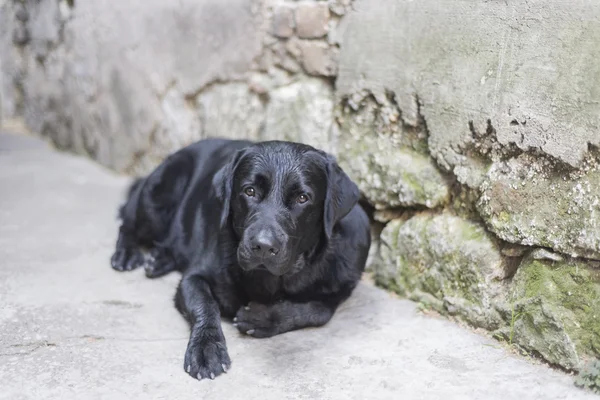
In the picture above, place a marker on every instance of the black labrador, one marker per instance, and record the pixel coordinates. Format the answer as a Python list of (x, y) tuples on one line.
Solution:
[(270, 234)]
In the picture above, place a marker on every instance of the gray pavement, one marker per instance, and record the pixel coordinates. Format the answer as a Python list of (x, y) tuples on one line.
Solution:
[(72, 328)]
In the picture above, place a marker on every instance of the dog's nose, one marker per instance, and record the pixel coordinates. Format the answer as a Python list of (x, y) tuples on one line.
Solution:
[(265, 244)]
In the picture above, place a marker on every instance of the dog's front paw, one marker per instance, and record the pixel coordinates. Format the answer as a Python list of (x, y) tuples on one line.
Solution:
[(206, 357), (158, 264), (257, 320), (126, 259)]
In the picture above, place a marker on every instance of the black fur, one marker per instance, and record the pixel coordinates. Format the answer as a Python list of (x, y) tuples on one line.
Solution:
[(269, 234)]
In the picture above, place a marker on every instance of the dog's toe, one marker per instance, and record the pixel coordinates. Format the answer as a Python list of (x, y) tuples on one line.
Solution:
[(114, 262), (135, 260), (207, 359), (158, 264), (126, 259), (154, 270)]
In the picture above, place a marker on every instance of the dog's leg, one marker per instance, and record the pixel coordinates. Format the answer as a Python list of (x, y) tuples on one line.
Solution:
[(127, 255), (266, 320), (206, 355)]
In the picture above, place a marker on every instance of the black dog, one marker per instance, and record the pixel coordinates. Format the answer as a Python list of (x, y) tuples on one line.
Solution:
[(269, 234)]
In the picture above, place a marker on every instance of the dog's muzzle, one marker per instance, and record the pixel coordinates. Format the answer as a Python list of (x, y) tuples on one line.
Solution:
[(266, 247)]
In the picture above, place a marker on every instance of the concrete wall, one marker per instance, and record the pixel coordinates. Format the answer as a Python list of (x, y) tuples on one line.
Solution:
[(470, 126)]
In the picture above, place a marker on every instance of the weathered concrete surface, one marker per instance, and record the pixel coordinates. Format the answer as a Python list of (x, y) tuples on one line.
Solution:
[(72, 328), (99, 78), (528, 66)]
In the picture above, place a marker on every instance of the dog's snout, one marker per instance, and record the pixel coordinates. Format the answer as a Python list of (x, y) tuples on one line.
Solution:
[(265, 244)]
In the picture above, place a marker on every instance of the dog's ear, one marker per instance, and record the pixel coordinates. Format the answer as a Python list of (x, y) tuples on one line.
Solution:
[(223, 185), (342, 195)]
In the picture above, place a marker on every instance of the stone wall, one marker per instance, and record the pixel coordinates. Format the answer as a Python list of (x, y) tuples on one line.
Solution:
[(471, 128)]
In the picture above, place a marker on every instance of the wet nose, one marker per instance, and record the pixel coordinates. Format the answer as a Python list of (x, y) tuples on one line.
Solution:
[(265, 244)]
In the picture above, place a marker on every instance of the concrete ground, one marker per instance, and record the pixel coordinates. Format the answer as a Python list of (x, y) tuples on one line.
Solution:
[(72, 328)]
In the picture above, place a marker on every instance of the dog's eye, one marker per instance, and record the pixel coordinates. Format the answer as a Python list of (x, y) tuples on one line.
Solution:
[(250, 192), (302, 199)]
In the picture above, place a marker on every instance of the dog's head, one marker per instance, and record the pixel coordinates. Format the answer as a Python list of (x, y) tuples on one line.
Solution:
[(283, 201)]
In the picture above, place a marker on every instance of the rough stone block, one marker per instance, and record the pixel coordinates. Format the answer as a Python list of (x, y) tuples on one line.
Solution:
[(557, 310), (339, 7), (232, 111), (318, 58), (301, 112), (446, 262), (293, 47), (282, 25), (528, 201), (392, 176), (281, 57), (312, 19), (386, 158)]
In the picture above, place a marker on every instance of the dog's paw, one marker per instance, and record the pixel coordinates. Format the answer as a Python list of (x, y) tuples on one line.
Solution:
[(206, 358), (257, 320), (126, 259), (158, 264)]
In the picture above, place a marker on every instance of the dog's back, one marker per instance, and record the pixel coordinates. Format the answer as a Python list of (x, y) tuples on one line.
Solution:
[(152, 215)]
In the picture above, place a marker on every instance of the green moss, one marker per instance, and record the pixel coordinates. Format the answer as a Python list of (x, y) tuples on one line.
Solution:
[(390, 284), (564, 298), (427, 302), (536, 275), (464, 201), (431, 285), (386, 158), (445, 258), (589, 377), (466, 283), (472, 232), (504, 217)]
